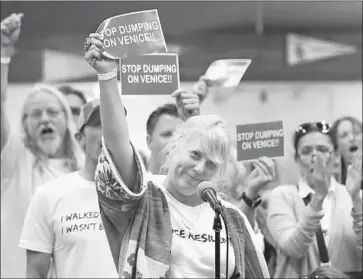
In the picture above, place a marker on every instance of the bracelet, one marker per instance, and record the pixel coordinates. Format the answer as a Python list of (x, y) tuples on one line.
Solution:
[(108, 76), (251, 203), (5, 60)]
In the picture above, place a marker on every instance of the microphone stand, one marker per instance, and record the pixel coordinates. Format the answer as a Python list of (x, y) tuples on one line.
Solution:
[(217, 227)]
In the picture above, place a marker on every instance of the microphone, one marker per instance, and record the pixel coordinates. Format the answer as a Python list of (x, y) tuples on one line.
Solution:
[(206, 191)]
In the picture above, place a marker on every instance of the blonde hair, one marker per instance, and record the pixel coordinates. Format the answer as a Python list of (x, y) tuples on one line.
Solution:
[(74, 153), (210, 132)]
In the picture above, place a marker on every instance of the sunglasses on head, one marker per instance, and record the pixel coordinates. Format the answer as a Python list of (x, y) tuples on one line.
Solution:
[(322, 126)]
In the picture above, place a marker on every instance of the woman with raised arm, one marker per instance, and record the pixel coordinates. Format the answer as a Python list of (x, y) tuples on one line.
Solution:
[(162, 231)]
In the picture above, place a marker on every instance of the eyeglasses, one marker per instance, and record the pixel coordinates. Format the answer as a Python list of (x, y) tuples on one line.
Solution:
[(37, 113), (322, 126)]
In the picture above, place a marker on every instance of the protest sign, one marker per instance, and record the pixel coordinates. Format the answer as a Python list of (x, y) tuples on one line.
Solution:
[(150, 74), (227, 72), (132, 34), (261, 139)]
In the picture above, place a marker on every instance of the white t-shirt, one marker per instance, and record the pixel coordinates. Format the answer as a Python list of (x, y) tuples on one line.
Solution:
[(21, 174), (192, 227), (64, 220)]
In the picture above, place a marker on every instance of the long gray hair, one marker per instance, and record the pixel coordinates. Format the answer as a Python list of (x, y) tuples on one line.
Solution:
[(74, 153)]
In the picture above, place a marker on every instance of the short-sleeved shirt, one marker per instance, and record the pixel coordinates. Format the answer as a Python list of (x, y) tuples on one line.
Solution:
[(21, 174), (64, 220)]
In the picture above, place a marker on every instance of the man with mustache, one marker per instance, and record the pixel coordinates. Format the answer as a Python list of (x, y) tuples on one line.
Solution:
[(63, 221), (44, 150)]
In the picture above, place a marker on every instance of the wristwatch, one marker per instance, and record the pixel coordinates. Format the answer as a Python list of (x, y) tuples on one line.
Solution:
[(251, 203)]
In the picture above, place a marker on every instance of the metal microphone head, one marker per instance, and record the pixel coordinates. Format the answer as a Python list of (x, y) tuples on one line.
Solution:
[(203, 186)]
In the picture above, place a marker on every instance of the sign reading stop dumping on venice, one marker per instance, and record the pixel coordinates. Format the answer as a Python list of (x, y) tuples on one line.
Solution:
[(261, 139), (150, 74), (132, 34)]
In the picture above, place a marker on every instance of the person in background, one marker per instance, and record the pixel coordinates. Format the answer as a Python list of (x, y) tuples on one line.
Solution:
[(165, 220), (44, 149), (347, 136), (163, 122), (243, 188), (75, 99), (160, 127), (63, 221), (295, 213), (247, 185)]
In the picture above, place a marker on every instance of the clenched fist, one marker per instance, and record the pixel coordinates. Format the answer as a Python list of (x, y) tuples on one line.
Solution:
[(10, 29)]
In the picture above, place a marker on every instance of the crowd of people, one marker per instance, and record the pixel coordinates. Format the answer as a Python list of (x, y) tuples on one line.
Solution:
[(78, 200)]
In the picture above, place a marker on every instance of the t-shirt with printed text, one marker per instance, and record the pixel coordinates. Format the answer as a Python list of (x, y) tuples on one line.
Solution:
[(64, 220), (192, 227)]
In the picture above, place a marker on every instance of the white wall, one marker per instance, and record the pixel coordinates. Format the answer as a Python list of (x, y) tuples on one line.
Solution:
[(293, 103)]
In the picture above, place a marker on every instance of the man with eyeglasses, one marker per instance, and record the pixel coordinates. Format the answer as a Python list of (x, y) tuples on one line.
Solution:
[(318, 221), (63, 222), (44, 149), (75, 99)]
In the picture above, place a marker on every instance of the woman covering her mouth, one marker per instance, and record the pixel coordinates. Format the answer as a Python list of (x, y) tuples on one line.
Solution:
[(347, 137)]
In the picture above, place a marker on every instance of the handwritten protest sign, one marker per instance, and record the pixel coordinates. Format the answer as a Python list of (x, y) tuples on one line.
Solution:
[(227, 72), (150, 74), (261, 139), (132, 34)]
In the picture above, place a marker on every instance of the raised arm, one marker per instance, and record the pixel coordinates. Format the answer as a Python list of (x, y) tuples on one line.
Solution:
[(263, 173), (188, 103), (293, 236), (10, 31), (119, 173), (114, 124), (353, 184)]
